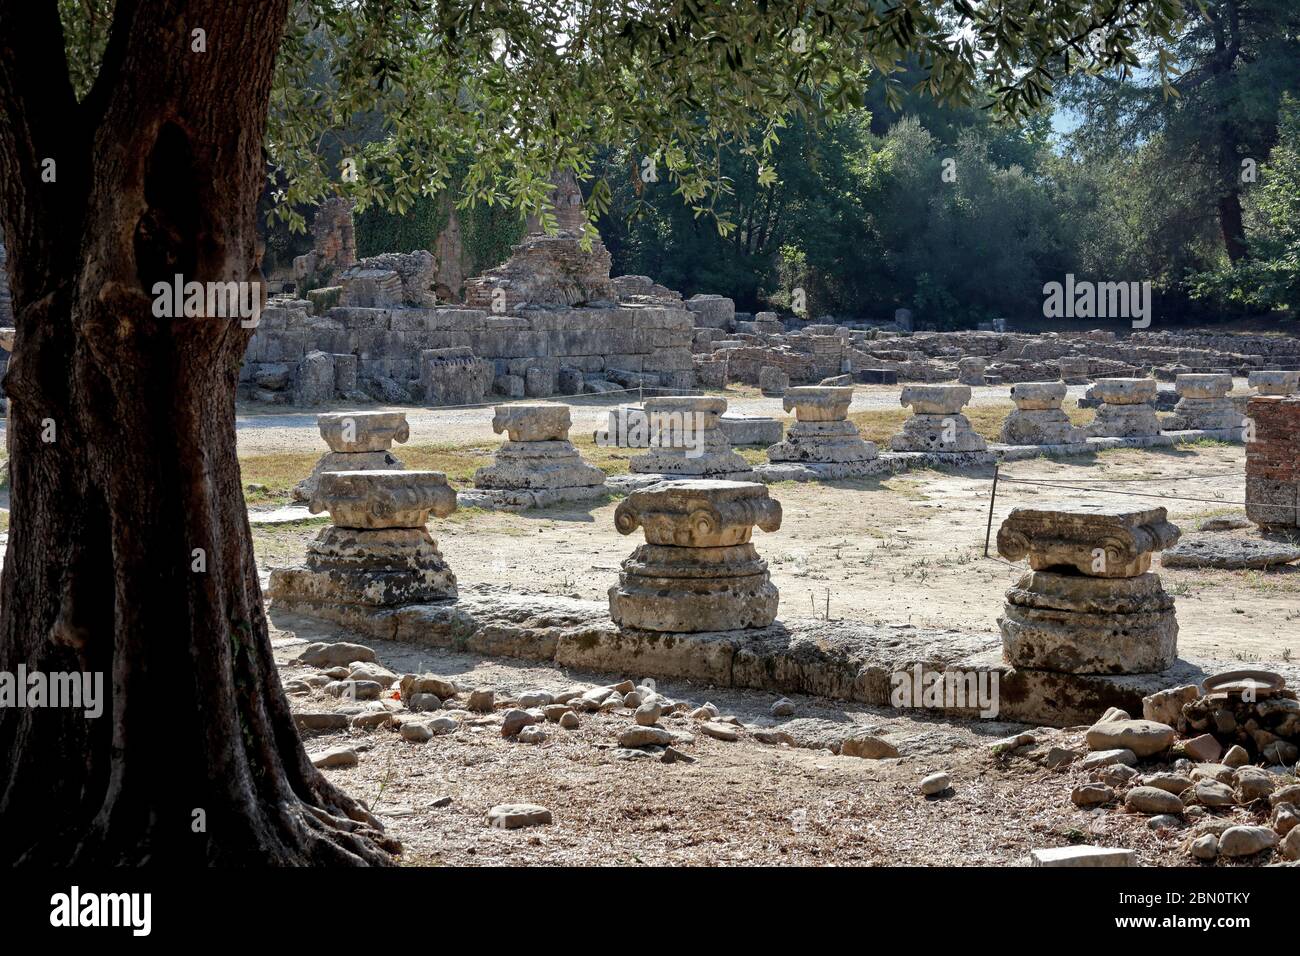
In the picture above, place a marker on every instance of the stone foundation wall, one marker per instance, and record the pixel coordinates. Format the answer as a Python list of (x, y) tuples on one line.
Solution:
[(538, 348)]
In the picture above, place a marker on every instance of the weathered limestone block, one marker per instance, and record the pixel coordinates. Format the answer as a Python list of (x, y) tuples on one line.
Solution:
[(377, 553), (1038, 418), (1110, 541), (1086, 625), (1124, 412), (970, 370), (314, 380), (821, 432), (772, 381), (391, 279), (697, 570), (1074, 369), (1273, 462), (537, 457), (1203, 403), (1274, 382), (454, 376), (937, 424), (358, 441), (686, 439), (1090, 604), (712, 311)]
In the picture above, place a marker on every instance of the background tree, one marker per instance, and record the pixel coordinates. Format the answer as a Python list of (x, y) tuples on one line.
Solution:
[(129, 551)]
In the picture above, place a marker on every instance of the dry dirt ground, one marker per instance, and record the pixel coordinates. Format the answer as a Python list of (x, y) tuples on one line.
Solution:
[(898, 550)]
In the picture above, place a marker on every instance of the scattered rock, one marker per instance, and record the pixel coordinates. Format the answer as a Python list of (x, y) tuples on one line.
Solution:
[(935, 783), (1145, 738), (1091, 795), (1286, 816), (444, 725), (1204, 749), (1115, 775), (1164, 821), (335, 655), (1211, 793), (515, 720), (334, 757), (1152, 800), (512, 816), (482, 700), (631, 753), (532, 735), (1166, 706), (569, 721), (321, 721), (1007, 744), (372, 720), (1205, 847), (427, 684), (1246, 841), (673, 755), (535, 698), (867, 747), (424, 702), (1212, 771), (767, 736), (416, 732), (1061, 757), (705, 712), (1103, 758), (783, 708), (645, 736), (1174, 783), (553, 712), (1224, 524), (1291, 845), (1254, 784), (1236, 756), (1287, 794), (648, 714), (719, 731), (354, 689), (632, 699)]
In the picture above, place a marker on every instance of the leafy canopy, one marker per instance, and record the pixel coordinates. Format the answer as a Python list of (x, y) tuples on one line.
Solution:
[(522, 88)]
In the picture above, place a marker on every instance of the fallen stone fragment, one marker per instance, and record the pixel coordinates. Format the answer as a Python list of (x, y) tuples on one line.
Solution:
[(482, 700), (1145, 738), (1007, 744), (553, 712), (867, 747), (1211, 793), (515, 720), (1166, 706), (1164, 821), (569, 721), (444, 725), (1204, 749), (440, 687), (1062, 757), (415, 732), (1254, 783), (705, 712), (1213, 771), (935, 783), (1224, 524), (1091, 795), (1083, 856), (719, 731), (1286, 816), (1174, 783), (632, 699), (783, 708), (1232, 554), (1291, 845), (512, 816), (532, 734), (1246, 841), (1114, 775), (335, 655), (774, 737), (334, 757), (535, 698), (354, 689), (1151, 800), (1205, 847), (1287, 794), (372, 720), (645, 736), (424, 702), (648, 714), (673, 755), (321, 721), (631, 753), (1103, 758)]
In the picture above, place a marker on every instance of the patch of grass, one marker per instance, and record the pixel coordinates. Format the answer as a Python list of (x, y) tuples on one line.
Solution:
[(1203, 443)]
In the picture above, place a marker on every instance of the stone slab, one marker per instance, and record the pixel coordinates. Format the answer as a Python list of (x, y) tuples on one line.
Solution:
[(1083, 856)]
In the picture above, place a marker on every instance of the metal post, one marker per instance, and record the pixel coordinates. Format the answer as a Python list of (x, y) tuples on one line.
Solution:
[(988, 530)]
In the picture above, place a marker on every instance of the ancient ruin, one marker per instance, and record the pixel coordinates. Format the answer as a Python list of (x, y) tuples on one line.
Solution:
[(1125, 410), (1089, 603), (697, 570), (1203, 404), (358, 441), (1274, 382), (822, 442), (377, 553), (1038, 418), (937, 425), (537, 466), (687, 441), (1273, 462)]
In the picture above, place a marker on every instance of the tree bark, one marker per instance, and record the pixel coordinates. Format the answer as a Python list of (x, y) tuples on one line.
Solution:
[(123, 469)]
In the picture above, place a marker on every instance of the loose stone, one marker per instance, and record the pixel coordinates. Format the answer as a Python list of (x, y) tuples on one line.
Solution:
[(334, 757), (1091, 795), (867, 747), (1152, 800), (1246, 841), (512, 816), (935, 783)]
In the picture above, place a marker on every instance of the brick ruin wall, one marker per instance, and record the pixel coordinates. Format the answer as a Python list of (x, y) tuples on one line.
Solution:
[(1273, 463)]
